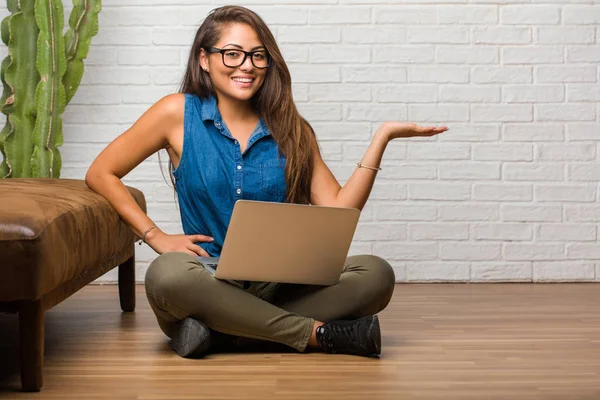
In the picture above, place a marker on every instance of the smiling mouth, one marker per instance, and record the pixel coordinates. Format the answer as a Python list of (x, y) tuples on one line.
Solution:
[(243, 80)]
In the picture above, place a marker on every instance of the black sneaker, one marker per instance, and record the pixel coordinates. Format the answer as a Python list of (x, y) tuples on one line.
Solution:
[(191, 339), (360, 337), (194, 339)]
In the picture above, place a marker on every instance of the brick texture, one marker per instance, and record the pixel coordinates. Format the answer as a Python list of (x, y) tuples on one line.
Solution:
[(509, 193)]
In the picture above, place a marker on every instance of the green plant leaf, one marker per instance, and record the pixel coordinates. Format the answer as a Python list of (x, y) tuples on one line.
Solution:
[(19, 78), (83, 25), (50, 93)]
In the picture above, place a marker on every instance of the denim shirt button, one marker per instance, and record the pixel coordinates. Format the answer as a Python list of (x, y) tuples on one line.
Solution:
[(238, 191), (239, 167)]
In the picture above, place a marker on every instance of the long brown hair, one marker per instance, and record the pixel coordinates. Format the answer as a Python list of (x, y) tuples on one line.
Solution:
[(273, 102)]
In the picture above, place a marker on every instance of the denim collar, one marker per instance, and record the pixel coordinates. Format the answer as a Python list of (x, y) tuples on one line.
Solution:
[(210, 112)]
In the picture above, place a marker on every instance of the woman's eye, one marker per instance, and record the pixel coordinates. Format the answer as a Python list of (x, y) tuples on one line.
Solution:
[(259, 56), (232, 54)]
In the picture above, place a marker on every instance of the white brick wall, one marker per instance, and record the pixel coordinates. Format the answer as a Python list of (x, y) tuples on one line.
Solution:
[(508, 194)]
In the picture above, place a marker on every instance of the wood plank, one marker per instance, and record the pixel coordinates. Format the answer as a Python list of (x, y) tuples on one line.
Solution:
[(451, 341)]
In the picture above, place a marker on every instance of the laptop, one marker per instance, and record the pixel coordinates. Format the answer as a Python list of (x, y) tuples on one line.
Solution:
[(285, 243)]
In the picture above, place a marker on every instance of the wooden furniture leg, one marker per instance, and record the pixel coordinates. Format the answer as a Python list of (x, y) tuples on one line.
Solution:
[(31, 332), (127, 284)]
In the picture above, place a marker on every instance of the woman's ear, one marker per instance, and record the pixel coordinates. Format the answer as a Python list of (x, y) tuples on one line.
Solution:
[(203, 60)]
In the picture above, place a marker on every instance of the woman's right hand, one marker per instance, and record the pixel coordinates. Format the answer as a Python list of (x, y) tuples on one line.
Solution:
[(164, 243)]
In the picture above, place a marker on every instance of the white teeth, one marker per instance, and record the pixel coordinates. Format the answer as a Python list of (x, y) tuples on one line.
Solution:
[(244, 80)]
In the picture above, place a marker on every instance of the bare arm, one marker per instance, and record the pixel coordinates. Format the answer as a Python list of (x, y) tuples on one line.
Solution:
[(153, 131), (325, 190)]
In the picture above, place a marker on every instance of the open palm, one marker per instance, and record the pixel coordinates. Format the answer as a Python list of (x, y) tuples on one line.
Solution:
[(396, 130)]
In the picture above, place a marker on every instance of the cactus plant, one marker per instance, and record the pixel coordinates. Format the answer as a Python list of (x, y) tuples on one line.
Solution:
[(40, 75)]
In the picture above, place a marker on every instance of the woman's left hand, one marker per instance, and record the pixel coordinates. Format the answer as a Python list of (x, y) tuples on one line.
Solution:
[(394, 130)]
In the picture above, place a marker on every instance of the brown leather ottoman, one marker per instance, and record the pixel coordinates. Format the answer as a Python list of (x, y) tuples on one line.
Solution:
[(56, 236)]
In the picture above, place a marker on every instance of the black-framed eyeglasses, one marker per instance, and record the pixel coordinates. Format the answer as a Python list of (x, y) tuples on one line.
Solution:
[(233, 58)]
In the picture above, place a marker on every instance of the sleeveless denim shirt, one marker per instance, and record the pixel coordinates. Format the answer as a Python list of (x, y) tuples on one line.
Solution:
[(213, 173)]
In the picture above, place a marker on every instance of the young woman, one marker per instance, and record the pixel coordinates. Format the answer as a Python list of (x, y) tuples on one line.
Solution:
[(234, 133)]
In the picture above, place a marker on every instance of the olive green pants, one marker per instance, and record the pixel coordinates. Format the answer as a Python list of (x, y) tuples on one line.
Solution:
[(178, 286)]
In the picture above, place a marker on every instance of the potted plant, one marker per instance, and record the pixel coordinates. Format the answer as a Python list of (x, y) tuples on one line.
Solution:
[(40, 75)]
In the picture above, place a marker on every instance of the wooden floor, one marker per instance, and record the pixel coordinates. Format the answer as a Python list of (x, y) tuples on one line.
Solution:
[(459, 341)]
